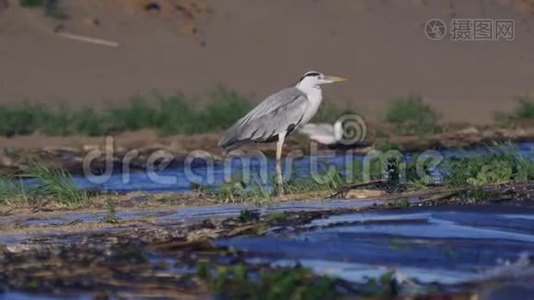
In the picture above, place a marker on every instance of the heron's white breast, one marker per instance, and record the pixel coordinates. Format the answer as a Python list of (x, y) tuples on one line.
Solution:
[(315, 96)]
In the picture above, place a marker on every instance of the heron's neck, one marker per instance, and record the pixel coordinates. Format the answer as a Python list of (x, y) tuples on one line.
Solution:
[(314, 95), (308, 87)]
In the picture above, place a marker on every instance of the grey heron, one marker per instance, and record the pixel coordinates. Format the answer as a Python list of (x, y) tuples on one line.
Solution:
[(278, 116)]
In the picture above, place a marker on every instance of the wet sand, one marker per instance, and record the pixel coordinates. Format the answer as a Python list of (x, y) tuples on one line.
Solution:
[(157, 251)]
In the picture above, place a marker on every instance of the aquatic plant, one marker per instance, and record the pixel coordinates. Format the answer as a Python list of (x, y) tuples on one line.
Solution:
[(52, 185), (274, 217), (401, 203), (327, 181), (111, 216), (410, 116), (258, 194), (232, 191), (56, 184), (389, 168), (247, 216), (202, 270), (14, 193), (384, 286), (240, 282), (501, 165), (477, 194), (237, 190)]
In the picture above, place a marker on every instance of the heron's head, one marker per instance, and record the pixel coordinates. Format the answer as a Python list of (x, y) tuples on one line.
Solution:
[(314, 78)]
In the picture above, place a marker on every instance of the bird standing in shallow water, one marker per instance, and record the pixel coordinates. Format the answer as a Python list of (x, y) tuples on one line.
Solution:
[(278, 116)]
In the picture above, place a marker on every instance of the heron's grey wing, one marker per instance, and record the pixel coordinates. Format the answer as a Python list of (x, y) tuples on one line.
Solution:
[(273, 102), (279, 113)]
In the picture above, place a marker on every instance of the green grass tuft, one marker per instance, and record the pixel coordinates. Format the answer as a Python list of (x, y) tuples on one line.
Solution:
[(502, 165), (225, 107), (32, 3), (523, 112), (168, 115), (51, 8), (401, 203), (237, 191), (411, 116), (327, 181), (13, 193), (111, 216), (57, 184), (239, 282), (525, 109), (54, 186), (383, 287), (19, 119), (248, 216)]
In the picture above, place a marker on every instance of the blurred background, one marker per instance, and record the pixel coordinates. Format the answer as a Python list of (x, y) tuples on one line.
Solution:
[(97, 54)]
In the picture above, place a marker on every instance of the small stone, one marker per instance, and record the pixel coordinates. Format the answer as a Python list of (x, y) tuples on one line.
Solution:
[(58, 150), (90, 147), (364, 193), (135, 201), (92, 21), (5, 160), (472, 130)]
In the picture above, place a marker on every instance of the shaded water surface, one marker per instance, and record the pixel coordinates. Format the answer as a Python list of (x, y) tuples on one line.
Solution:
[(449, 245), (179, 180), (452, 246), (441, 248)]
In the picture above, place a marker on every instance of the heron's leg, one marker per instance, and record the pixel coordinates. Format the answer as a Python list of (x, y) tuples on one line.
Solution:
[(279, 179)]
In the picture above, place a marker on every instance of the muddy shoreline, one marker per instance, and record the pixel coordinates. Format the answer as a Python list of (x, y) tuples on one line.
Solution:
[(189, 245), (139, 209), (136, 148), (160, 247)]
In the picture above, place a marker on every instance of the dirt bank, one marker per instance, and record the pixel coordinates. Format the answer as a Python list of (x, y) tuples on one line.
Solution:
[(258, 47)]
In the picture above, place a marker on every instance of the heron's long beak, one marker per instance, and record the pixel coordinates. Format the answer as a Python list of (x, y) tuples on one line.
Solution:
[(335, 78)]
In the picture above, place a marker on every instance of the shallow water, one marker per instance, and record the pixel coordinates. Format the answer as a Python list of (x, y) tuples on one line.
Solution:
[(168, 216), (449, 245), (178, 180), (456, 247)]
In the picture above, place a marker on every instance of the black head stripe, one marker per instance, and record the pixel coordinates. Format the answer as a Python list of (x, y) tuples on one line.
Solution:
[(311, 73)]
